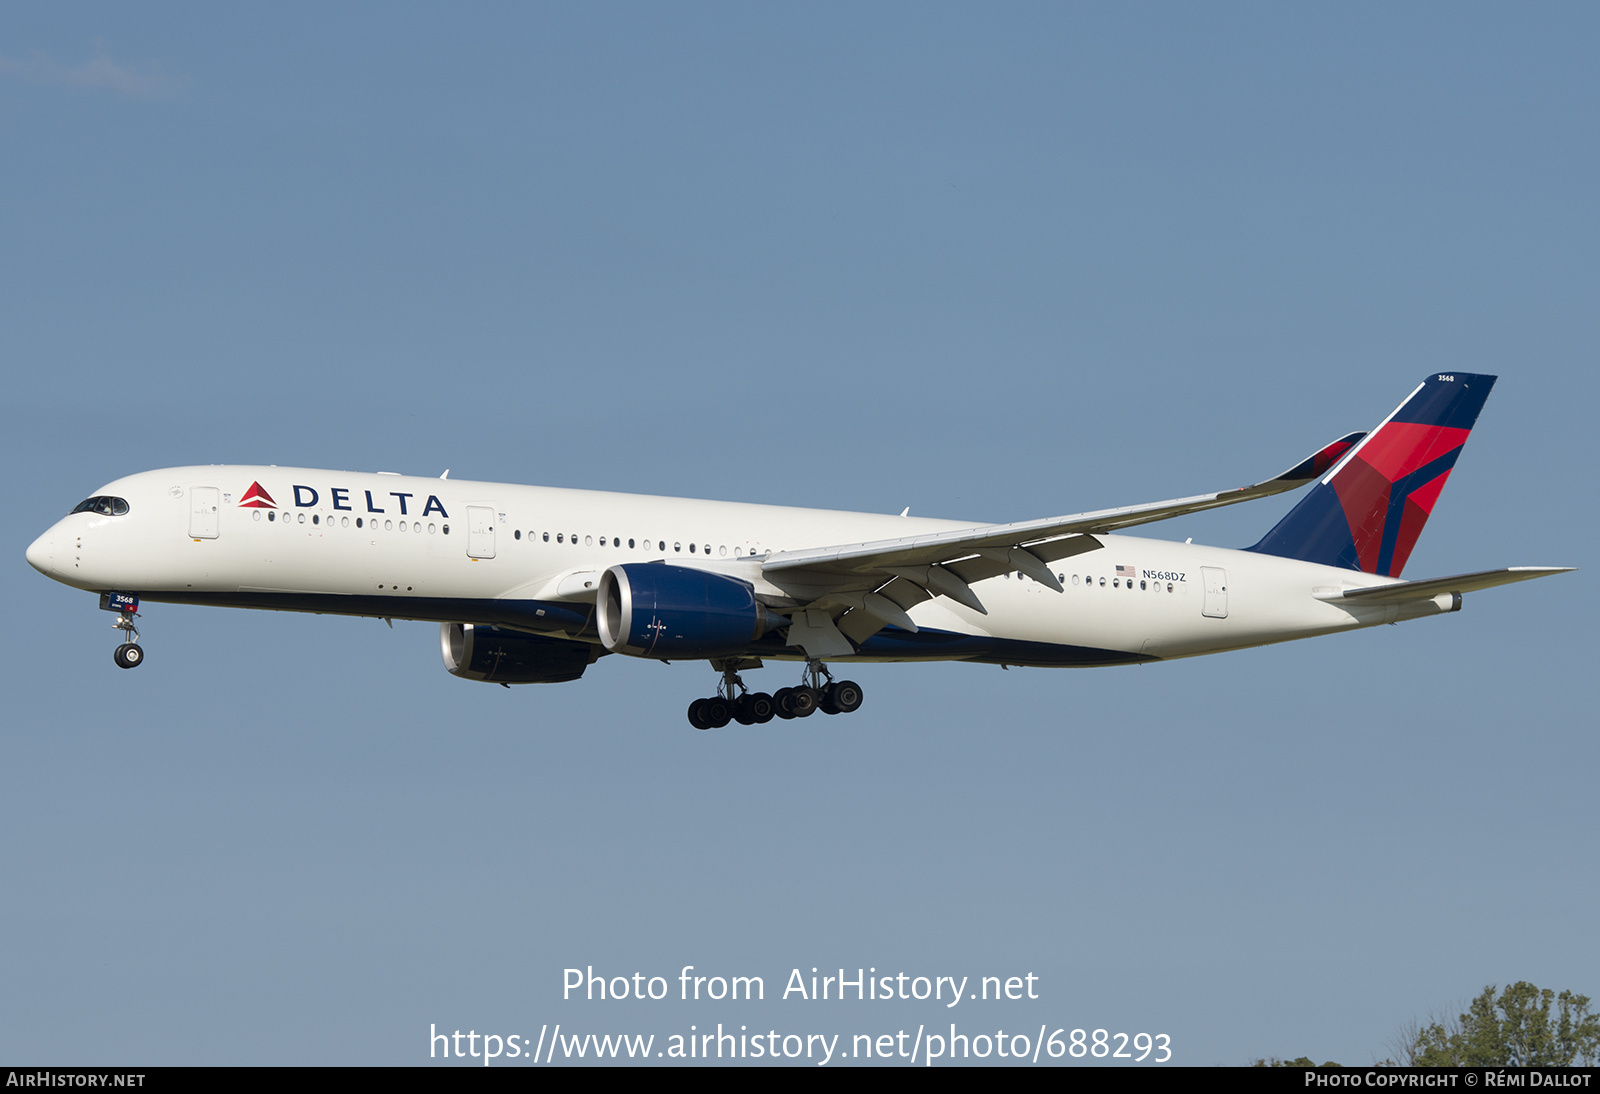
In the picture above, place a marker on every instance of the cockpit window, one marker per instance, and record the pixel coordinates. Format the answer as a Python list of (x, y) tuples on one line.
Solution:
[(104, 505)]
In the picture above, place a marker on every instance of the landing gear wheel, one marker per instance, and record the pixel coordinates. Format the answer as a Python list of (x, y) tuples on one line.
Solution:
[(761, 707), (754, 708), (780, 703), (845, 696), (129, 655), (716, 711), (803, 702), (696, 718)]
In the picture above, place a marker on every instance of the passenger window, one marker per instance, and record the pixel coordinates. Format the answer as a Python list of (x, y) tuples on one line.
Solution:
[(315, 519), (630, 543), (547, 538), (677, 546), (588, 541), (358, 522), (517, 534), (691, 548)]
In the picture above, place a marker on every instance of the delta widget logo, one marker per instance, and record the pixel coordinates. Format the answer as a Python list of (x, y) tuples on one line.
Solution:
[(257, 498)]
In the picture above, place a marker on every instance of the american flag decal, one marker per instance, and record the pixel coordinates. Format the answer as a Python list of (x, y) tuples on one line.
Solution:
[(1125, 571)]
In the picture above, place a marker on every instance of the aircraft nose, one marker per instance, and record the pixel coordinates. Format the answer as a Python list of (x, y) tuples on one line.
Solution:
[(41, 554)]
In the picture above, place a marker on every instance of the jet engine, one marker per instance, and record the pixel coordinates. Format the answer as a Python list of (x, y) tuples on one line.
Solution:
[(497, 655), (651, 609)]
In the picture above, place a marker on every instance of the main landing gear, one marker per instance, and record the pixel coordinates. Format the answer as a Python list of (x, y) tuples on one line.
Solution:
[(129, 655), (733, 702)]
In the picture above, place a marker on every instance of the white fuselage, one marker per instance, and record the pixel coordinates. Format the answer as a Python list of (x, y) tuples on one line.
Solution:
[(461, 551)]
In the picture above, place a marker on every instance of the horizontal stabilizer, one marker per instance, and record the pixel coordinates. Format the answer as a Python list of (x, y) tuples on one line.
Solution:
[(1402, 592)]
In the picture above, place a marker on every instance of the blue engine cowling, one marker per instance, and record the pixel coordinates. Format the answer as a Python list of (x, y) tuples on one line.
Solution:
[(651, 609), (497, 655)]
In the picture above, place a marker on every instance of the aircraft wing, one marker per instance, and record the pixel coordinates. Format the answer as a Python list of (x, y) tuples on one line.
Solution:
[(1047, 538), (874, 582), (1402, 591)]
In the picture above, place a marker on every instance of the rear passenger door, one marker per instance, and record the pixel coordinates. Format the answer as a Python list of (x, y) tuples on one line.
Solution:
[(1215, 580)]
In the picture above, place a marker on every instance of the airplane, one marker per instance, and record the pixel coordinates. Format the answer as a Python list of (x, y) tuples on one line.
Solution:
[(533, 584)]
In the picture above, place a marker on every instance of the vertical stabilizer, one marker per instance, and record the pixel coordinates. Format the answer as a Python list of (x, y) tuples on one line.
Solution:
[(1367, 513)]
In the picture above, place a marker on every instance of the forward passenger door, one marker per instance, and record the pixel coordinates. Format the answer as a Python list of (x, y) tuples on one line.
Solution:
[(204, 502), (480, 531)]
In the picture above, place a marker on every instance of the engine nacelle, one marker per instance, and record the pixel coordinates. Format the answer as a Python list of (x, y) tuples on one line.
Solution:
[(651, 609), (496, 655)]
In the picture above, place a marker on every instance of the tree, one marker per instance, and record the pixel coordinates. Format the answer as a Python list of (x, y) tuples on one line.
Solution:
[(1512, 1030)]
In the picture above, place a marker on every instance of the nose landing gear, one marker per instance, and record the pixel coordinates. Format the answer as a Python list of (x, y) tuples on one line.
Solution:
[(129, 655), (734, 703)]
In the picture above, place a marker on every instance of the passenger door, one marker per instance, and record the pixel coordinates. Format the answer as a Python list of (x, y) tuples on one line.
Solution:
[(1215, 581), (480, 531), (204, 504)]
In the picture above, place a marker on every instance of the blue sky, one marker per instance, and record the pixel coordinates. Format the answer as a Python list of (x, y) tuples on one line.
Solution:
[(989, 265)]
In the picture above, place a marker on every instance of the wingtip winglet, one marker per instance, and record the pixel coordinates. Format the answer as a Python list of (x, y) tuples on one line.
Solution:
[(1323, 458)]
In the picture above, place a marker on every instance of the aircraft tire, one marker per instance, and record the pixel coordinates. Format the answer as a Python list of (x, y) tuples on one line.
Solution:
[(715, 711), (742, 712), (780, 703), (129, 655), (803, 701), (695, 718), (846, 695), (762, 708)]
